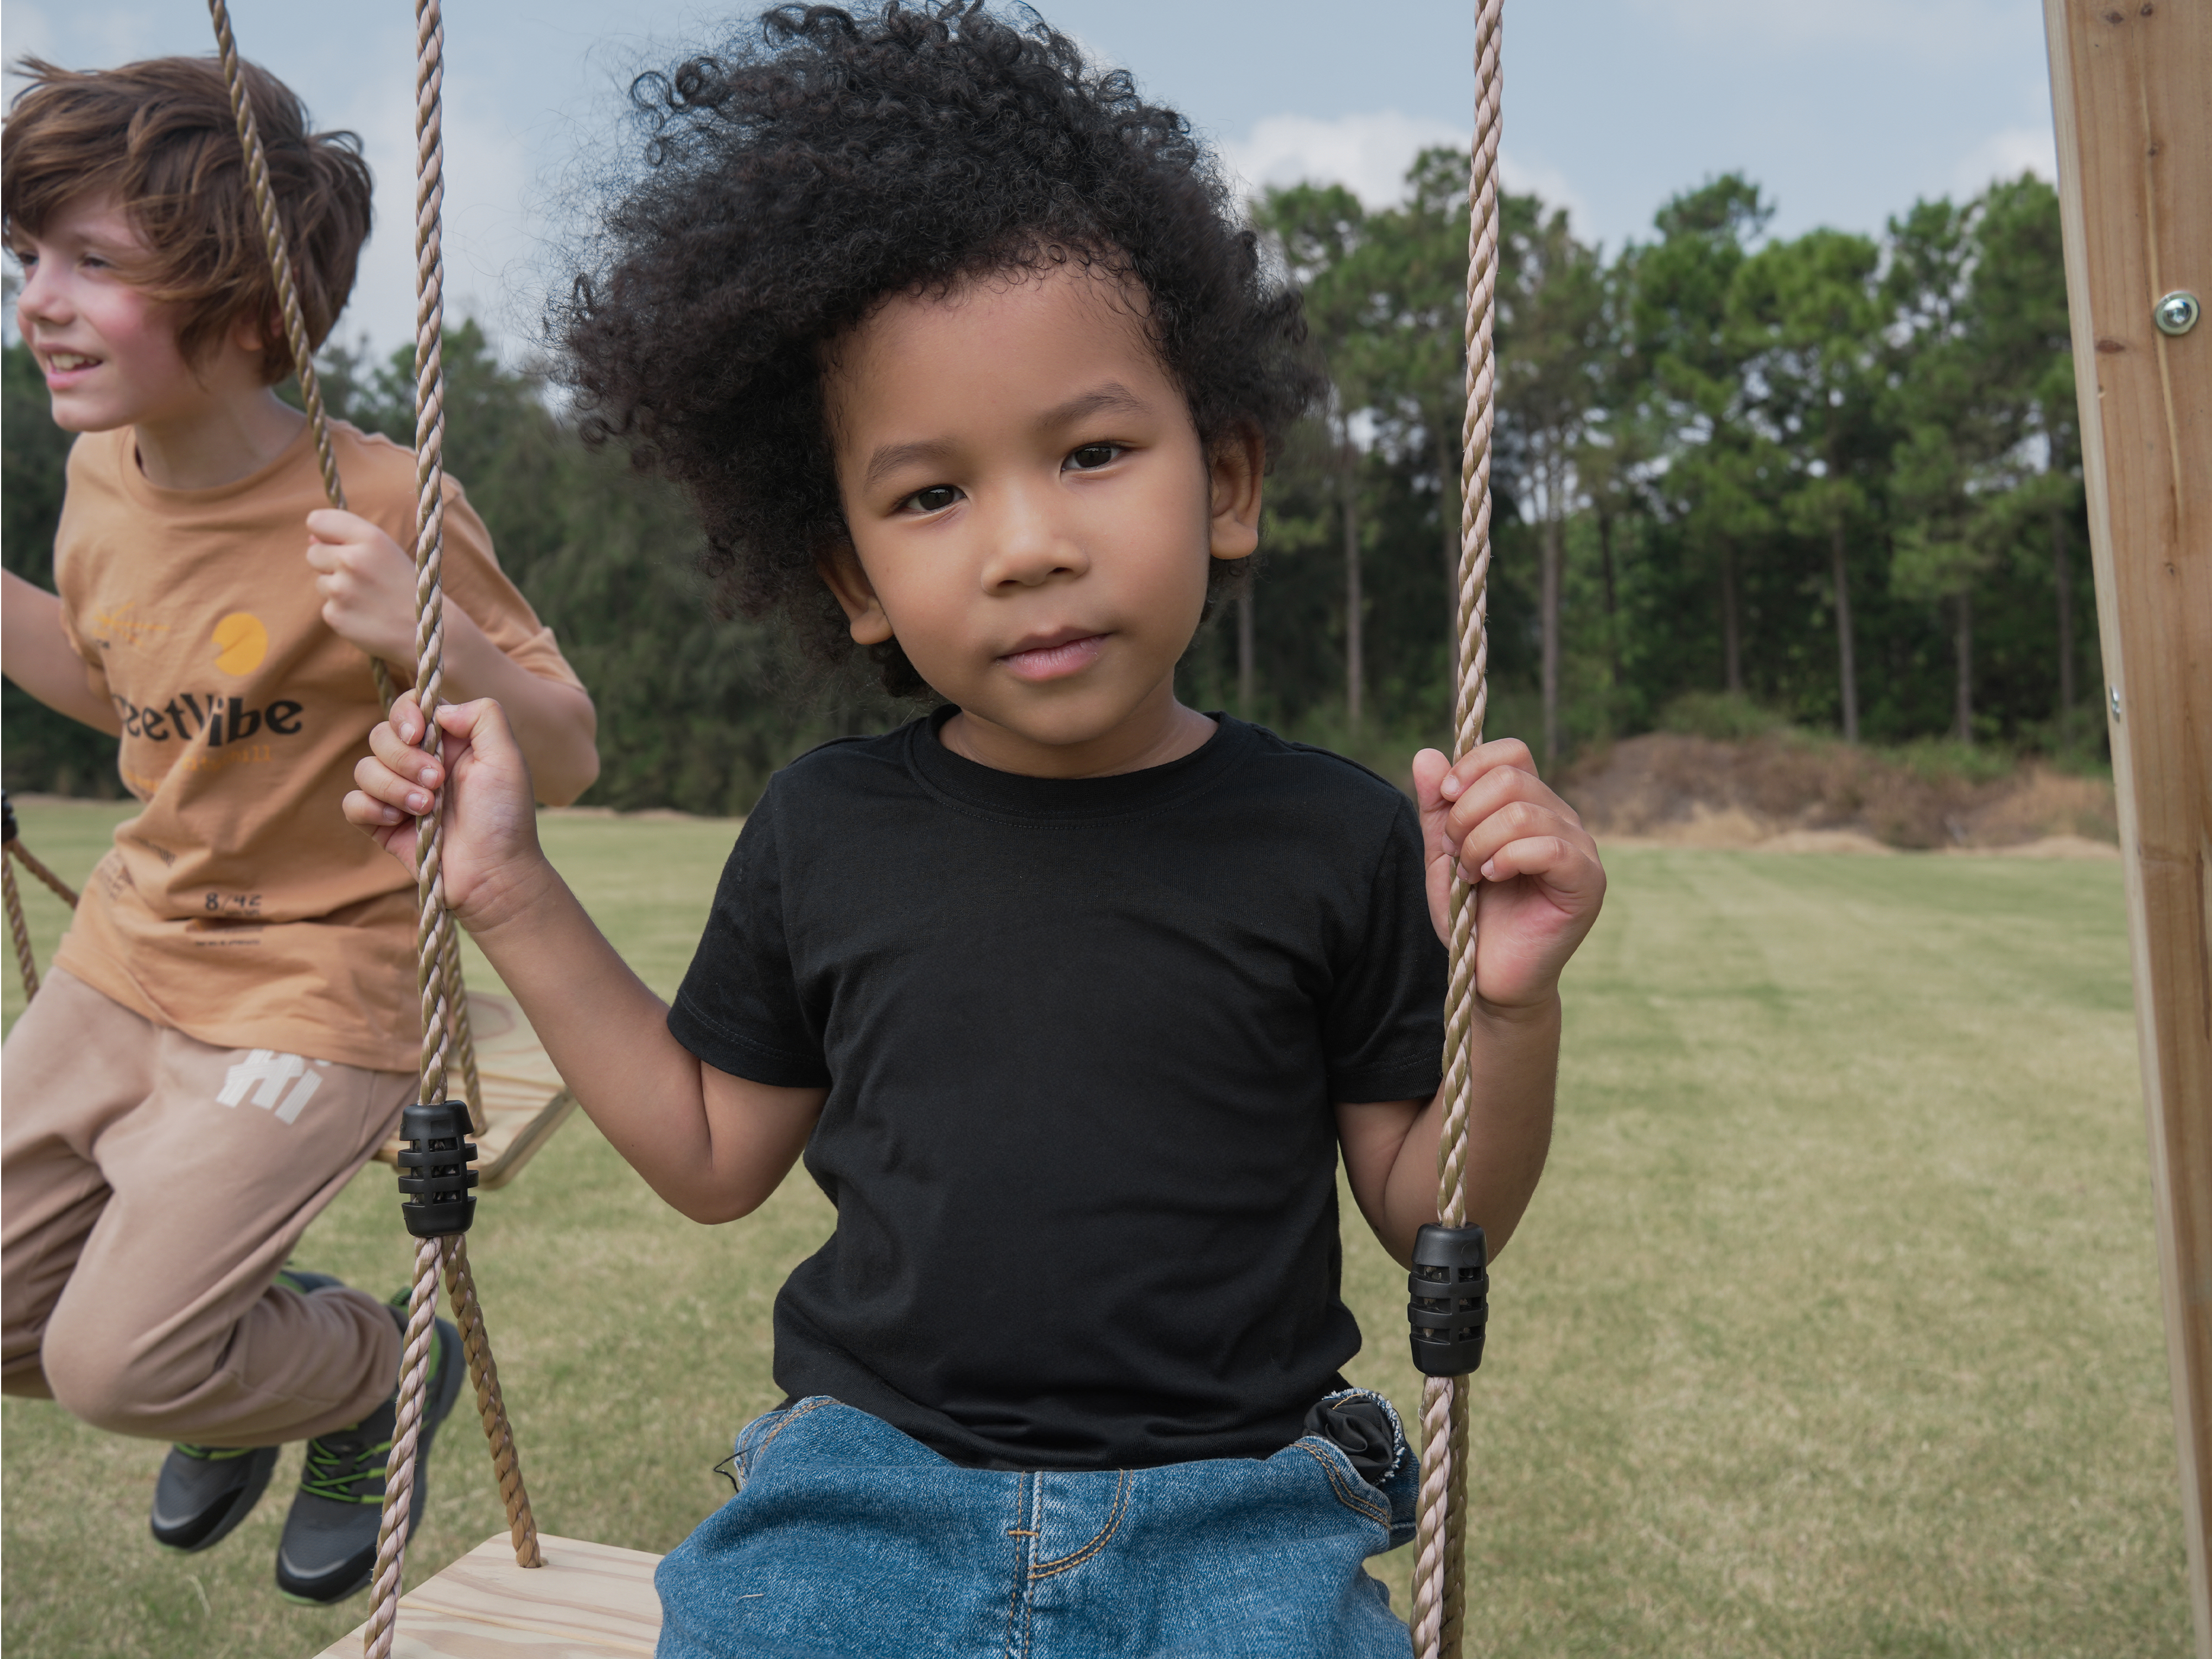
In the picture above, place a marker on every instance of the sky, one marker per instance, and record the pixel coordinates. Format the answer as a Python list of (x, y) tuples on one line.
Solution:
[(1844, 111)]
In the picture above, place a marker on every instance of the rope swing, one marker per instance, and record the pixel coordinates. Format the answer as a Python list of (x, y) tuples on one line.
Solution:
[(434, 1175), (436, 944), (454, 1010), (1448, 1328)]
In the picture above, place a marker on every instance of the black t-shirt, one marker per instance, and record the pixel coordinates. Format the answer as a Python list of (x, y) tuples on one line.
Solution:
[(1082, 1039)]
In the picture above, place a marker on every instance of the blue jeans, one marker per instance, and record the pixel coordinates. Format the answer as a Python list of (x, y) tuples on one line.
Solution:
[(847, 1538)]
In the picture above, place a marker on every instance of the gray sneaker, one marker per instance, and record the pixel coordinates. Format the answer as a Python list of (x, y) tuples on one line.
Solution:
[(329, 1548), (203, 1492)]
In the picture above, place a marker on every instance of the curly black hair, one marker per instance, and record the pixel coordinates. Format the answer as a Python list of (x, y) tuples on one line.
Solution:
[(794, 183)]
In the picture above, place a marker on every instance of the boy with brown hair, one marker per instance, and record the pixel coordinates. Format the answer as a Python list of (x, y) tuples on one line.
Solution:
[(230, 1030)]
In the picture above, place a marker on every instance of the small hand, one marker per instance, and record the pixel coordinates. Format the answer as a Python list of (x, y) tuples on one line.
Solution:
[(490, 859), (1493, 822), (367, 582)]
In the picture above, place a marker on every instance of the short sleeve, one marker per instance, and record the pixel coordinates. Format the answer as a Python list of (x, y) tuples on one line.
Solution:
[(95, 670), (69, 591), (740, 1008), (475, 583), (1384, 1034)]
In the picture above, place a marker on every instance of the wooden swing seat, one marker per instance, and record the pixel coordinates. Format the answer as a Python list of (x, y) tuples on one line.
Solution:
[(524, 1099), (587, 1602)]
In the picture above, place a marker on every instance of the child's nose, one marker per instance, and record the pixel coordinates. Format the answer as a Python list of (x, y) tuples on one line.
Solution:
[(41, 298), (1029, 546)]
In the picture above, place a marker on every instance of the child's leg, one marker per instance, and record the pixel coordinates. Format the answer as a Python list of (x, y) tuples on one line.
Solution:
[(168, 1324), (850, 1537), (75, 1063)]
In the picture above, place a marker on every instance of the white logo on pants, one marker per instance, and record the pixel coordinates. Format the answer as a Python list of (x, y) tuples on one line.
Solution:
[(271, 1071)]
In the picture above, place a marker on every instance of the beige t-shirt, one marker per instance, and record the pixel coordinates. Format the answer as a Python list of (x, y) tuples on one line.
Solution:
[(239, 907)]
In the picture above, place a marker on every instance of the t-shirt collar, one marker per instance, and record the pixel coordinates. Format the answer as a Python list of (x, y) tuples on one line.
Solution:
[(974, 787)]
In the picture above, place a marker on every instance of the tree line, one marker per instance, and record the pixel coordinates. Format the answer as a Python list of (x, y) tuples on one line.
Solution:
[(1833, 480)]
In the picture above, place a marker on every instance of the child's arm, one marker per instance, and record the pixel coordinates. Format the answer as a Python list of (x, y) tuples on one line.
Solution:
[(367, 586), (713, 1144), (40, 658), (1492, 819)]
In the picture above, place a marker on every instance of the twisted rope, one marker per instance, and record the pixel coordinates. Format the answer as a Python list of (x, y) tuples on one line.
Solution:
[(459, 1030), (26, 963), (1439, 1568), (505, 1461), (399, 1473), (445, 1020), (11, 854), (62, 889), (433, 923), (280, 258), (444, 1002), (311, 393)]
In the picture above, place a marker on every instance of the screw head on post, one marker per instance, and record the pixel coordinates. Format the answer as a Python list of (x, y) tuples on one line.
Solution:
[(2176, 312)]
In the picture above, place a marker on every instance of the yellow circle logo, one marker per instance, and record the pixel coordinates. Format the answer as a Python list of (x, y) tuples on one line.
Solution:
[(241, 642)]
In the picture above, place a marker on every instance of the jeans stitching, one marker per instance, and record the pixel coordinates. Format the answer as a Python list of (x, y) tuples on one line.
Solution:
[(1351, 1500), (1025, 1534), (1045, 1569), (791, 1416)]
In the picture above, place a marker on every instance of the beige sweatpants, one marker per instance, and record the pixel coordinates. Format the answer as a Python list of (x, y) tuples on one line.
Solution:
[(150, 1187)]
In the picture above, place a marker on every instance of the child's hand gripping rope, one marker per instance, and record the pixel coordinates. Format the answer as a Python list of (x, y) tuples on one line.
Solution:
[(491, 854), (714, 1146), (1493, 820), (366, 581)]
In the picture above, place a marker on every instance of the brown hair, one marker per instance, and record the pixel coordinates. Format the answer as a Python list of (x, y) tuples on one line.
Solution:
[(158, 137)]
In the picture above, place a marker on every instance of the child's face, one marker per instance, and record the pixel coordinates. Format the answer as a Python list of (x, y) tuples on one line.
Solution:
[(1032, 513), (109, 352)]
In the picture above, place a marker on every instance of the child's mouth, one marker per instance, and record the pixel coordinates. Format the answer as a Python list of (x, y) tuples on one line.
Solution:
[(66, 368), (1056, 660)]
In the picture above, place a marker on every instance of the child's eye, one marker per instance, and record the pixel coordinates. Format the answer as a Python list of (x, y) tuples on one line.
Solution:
[(935, 499), (1091, 457)]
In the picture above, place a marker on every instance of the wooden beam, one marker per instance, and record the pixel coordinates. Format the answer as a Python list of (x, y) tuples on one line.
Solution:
[(2131, 89)]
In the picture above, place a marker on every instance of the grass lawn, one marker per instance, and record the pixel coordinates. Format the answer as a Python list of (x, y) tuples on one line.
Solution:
[(1833, 1331)]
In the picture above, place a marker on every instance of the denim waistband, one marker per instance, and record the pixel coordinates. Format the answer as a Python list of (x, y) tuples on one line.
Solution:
[(847, 1537)]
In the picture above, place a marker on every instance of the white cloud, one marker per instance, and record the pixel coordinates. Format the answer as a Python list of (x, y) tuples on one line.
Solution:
[(2006, 154), (1369, 155), (1366, 154)]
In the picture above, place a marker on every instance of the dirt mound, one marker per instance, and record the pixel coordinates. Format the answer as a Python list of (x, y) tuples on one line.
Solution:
[(1787, 790)]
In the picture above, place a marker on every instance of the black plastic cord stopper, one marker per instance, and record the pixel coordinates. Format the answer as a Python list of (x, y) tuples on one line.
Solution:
[(435, 1176), (1450, 1287), (8, 811)]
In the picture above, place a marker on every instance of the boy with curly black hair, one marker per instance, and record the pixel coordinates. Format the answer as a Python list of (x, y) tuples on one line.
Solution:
[(1070, 995)]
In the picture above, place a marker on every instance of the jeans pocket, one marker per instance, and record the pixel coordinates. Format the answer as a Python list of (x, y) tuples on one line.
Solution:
[(1387, 1498), (754, 1439)]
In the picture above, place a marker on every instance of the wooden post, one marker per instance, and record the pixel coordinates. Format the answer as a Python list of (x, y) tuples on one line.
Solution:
[(2132, 87)]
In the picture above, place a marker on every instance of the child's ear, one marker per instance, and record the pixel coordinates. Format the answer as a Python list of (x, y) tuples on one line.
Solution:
[(839, 567), (1238, 462), (253, 337)]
